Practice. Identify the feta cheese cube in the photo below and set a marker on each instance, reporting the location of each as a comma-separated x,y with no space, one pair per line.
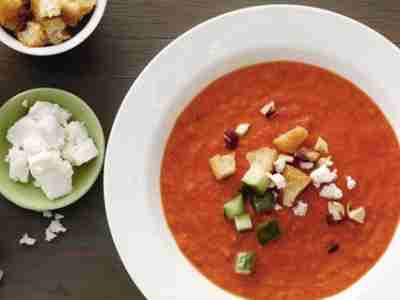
242,129
18,161
223,166
51,131
27,240
76,132
331,191
323,175
350,182
81,153
52,173
300,209
42,109
22,129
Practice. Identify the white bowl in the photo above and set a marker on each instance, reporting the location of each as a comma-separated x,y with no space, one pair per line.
9,40
147,115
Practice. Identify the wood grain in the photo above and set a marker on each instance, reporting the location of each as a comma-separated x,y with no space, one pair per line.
84,263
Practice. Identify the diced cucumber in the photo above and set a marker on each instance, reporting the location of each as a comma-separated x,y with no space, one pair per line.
243,222
264,203
256,179
268,231
234,207
244,263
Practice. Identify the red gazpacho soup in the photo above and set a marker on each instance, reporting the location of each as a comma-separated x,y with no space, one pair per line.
280,181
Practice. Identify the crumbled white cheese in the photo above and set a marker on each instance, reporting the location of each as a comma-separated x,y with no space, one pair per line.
300,209
43,109
41,141
306,165
278,207
242,129
27,240
327,161
47,214
350,182
336,210
268,108
80,154
281,162
331,191
52,173
56,227
18,161
278,180
58,216
323,175
49,236
358,215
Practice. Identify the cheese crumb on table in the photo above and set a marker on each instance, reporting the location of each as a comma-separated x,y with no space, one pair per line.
323,175
331,191
27,240
53,230
350,182
300,209
1,274
58,216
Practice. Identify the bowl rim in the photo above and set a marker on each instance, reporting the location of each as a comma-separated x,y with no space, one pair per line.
10,41
101,147
117,226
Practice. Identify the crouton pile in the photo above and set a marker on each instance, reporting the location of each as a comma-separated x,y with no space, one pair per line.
38,23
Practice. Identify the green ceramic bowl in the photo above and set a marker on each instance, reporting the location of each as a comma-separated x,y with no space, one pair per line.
26,195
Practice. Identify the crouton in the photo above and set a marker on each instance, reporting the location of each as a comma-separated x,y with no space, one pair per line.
45,8
296,182
291,140
33,35
74,10
223,166
56,31
264,158
14,14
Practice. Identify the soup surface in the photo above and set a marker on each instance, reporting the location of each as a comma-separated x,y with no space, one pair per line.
298,265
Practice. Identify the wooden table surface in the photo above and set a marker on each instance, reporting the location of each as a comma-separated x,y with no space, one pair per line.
83,264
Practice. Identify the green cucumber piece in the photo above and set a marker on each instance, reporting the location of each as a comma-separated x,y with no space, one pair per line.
244,263
268,231
264,203
243,222
234,207
256,179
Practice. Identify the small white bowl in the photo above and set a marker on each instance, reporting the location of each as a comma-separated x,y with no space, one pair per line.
77,39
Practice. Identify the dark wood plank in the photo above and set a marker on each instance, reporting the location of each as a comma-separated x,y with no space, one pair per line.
84,264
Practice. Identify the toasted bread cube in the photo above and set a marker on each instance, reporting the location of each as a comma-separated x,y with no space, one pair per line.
33,35
13,14
56,30
74,10
264,158
46,8
290,141
223,166
321,146
296,182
